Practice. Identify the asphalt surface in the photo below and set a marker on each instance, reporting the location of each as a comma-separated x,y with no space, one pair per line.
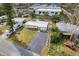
13,50
25,52
7,48
38,42
34,48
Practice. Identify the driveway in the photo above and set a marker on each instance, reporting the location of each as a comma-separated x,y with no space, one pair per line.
38,42
25,52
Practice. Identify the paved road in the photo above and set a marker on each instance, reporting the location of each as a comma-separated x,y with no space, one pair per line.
7,48
38,42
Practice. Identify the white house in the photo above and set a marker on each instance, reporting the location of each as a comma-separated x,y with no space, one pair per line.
67,28
52,9
18,20
40,25
18,23
3,17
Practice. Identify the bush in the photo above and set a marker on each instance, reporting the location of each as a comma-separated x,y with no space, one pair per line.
56,18
58,37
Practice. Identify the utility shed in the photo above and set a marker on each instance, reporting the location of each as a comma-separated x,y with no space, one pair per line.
40,25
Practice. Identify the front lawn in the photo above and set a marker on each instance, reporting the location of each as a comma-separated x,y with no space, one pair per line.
23,37
2,29
26,35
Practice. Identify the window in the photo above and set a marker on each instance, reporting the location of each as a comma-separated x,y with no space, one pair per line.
52,12
56,12
39,12
43,12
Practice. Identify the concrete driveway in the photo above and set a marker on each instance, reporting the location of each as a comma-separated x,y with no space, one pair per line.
38,42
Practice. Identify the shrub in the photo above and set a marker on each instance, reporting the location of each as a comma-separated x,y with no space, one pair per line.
58,37
56,18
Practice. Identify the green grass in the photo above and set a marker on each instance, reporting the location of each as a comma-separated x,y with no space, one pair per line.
61,50
40,17
53,25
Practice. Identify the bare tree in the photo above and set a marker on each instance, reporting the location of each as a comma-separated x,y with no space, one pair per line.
73,18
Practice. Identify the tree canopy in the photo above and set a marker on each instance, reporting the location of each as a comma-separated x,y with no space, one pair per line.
9,13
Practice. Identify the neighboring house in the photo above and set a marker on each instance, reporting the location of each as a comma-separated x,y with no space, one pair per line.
21,8
40,25
3,17
17,25
18,20
51,9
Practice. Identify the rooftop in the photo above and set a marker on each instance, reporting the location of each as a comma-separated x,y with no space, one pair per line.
18,19
37,23
49,9
45,6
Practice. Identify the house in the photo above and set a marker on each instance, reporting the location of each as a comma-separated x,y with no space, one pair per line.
51,9
18,23
68,28
18,20
3,17
40,25
16,26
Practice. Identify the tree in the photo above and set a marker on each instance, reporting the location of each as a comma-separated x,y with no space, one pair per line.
70,7
46,14
32,14
9,13
1,10
55,18
73,17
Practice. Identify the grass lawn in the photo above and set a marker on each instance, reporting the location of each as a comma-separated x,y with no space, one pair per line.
23,37
40,17
62,50
2,29
26,35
